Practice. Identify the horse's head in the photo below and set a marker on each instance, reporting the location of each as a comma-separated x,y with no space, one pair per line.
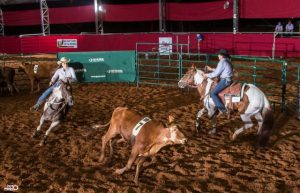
66,91
192,78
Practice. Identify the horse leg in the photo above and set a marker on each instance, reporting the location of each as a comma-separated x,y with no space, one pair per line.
211,112
53,124
10,89
246,118
214,125
259,119
198,119
37,131
15,87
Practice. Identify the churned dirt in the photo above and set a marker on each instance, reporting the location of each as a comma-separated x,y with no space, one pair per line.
207,163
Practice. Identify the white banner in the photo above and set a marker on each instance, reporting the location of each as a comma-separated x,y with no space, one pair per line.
165,45
67,43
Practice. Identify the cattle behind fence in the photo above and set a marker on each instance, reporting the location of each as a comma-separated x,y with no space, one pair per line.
14,61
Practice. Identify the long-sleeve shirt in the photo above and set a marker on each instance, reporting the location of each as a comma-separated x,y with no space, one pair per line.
63,75
279,28
289,27
224,69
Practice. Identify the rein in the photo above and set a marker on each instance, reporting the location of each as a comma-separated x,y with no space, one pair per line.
60,109
50,103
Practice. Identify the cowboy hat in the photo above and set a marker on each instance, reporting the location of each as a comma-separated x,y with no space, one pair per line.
224,53
63,60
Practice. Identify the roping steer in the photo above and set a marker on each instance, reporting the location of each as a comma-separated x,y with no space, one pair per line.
147,136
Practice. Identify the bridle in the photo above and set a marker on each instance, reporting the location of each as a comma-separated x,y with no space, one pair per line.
65,98
189,79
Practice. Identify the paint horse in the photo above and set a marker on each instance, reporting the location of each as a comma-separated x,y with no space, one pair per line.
251,102
55,108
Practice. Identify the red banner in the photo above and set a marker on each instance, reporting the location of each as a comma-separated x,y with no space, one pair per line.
269,9
239,44
150,12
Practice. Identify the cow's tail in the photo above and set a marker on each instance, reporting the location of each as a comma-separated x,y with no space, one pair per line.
267,124
94,127
99,126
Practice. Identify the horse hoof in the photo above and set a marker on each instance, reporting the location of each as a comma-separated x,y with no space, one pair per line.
119,171
233,137
198,129
44,141
213,131
35,134
136,182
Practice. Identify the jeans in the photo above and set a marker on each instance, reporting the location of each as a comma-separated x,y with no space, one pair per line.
47,93
222,84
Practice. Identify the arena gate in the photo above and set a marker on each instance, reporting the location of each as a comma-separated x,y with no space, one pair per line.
156,66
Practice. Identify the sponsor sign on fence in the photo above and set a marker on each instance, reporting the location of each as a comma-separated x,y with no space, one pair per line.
165,45
67,43
116,66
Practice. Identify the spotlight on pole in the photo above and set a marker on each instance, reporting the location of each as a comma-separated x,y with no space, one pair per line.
100,8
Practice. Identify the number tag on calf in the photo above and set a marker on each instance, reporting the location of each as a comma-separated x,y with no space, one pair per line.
35,68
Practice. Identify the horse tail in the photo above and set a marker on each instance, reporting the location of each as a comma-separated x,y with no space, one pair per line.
267,124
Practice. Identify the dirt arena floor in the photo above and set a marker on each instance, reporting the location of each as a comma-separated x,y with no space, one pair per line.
207,163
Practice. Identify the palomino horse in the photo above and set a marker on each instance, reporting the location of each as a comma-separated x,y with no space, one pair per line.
253,102
55,108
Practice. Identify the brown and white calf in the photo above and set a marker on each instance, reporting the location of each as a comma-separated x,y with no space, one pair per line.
147,136
37,72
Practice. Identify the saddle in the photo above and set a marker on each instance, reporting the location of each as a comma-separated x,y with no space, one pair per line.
231,95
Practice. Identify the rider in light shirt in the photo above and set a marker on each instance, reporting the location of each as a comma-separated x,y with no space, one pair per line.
224,70
65,74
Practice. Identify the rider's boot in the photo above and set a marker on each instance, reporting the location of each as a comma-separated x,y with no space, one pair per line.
224,113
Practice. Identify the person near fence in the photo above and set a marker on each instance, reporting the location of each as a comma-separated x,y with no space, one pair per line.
224,71
278,29
289,28
65,73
